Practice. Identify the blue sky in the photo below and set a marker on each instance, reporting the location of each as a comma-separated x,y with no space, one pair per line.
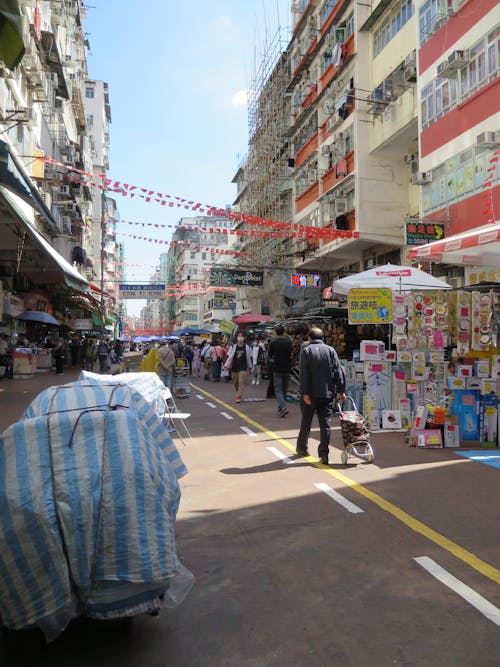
176,76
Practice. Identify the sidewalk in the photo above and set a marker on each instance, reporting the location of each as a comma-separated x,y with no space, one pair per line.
16,395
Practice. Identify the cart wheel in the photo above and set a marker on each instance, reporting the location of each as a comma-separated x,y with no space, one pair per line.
369,458
343,458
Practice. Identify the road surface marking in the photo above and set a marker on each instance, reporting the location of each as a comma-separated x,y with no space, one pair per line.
202,397
247,430
224,414
414,524
468,594
280,455
351,507
211,405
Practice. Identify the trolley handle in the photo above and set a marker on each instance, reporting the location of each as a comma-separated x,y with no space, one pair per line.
341,406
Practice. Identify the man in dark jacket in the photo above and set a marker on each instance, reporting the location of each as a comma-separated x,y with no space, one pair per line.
280,352
321,379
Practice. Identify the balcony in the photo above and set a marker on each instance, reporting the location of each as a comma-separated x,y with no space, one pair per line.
310,147
331,71
340,170
307,197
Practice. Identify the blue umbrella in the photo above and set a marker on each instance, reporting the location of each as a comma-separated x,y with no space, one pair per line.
37,316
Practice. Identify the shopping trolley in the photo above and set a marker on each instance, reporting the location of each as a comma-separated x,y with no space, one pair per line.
355,433
181,387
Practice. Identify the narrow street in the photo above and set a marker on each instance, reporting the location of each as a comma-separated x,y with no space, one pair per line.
300,564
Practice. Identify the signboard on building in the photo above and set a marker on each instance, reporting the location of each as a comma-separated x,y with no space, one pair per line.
226,326
419,233
370,305
83,323
306,280
236,278
142,291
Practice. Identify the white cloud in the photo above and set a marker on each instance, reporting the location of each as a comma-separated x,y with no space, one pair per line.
239,99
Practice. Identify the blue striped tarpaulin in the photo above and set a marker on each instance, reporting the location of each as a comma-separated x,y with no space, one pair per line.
88,498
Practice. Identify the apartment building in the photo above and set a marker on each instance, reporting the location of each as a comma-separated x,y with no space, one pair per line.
44,139
197,245
459,123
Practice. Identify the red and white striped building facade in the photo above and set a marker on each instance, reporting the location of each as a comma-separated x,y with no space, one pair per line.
458,54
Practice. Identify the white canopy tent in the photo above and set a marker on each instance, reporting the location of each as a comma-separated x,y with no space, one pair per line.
392,276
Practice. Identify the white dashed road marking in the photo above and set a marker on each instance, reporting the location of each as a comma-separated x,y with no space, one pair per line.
226,415
248,431
351,507
468,594
200,397
211,405
280,455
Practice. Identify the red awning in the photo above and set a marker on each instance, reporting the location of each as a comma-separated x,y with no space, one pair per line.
477,247
94,288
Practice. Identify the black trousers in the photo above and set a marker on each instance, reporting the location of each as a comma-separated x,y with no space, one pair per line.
324,409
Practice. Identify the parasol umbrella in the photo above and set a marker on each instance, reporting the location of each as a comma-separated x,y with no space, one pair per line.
37,316
11,33
391,276
251,318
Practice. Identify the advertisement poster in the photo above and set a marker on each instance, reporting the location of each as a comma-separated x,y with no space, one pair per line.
370,305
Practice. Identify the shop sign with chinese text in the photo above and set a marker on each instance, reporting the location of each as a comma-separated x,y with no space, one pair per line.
420,233
370,305
235,278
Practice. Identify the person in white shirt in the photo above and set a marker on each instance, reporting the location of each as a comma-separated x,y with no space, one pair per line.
258,353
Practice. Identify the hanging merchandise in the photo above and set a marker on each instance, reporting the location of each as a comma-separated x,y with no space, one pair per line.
463,322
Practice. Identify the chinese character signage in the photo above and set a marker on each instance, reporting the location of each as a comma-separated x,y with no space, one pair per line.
371,305
419,233
142,291
235,278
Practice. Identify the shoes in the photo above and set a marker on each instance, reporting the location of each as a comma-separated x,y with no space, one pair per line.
324,459
258,382
238,399
283,412
253,381
302,452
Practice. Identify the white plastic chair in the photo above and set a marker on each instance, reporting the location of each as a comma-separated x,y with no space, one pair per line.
172,414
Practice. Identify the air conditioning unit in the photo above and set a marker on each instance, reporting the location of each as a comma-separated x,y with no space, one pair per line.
410,157
411,59
46,198
458,59
64,190
340,206
421,178
488,140
410,74
444,70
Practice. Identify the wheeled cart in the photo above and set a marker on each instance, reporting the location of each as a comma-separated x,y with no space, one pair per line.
355,433
181,387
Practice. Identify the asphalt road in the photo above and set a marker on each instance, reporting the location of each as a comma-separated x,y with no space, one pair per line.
298,564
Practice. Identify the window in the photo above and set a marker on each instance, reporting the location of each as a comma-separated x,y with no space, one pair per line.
400,15
89,93
203,255
90,121
192,255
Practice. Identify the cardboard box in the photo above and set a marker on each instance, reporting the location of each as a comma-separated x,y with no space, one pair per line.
404,357
391,419
456,383
466,407
390,355
451,435
482,368
431,438
435,357
471,383
371,350
418,356
488,386
464,370
405,410
488,420
495,365
421,417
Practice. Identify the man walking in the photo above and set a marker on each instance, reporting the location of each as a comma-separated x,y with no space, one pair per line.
280,352
239,362
166,363
321,378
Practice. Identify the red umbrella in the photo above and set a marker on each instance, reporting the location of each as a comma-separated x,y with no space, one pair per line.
249,318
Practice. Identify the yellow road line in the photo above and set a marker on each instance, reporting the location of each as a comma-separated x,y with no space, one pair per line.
414,524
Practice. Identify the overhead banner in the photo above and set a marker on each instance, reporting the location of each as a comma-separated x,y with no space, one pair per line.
235,278
142,291
370,305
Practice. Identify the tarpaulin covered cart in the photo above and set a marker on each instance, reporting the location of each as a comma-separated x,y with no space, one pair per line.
88,498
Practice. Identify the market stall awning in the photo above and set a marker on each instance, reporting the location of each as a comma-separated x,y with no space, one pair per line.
45,267
477,247
11,33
